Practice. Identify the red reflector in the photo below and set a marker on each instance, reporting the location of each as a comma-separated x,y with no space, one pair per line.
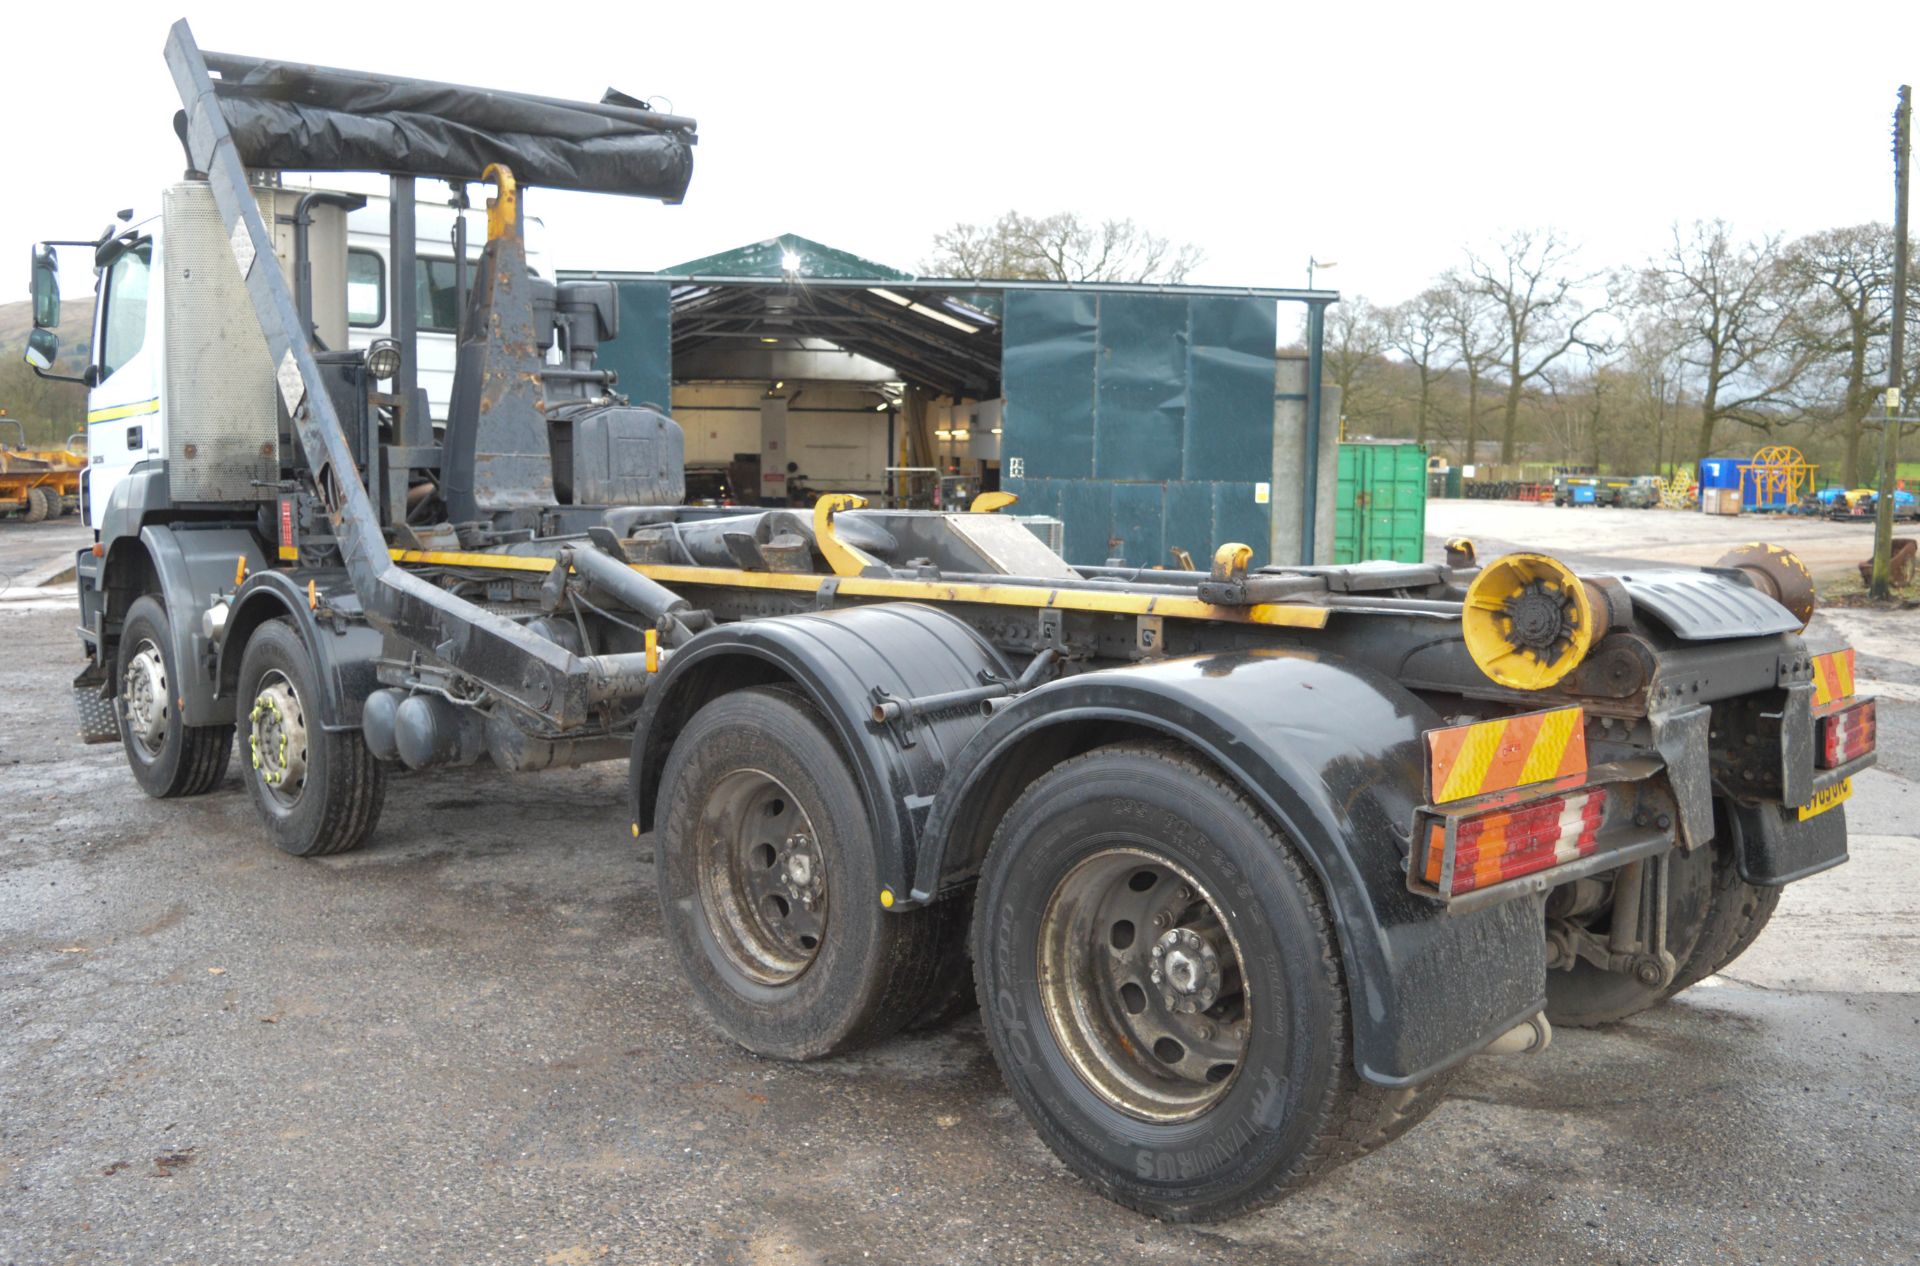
1848,734
1491,848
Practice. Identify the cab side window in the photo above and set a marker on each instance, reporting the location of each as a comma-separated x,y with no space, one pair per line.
125,327
366,289
438,297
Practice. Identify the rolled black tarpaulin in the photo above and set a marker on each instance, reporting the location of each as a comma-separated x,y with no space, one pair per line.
289,117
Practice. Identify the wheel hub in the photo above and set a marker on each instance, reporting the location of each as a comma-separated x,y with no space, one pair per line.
800,870
1187,969
762,877
278,743
1141,982
146,692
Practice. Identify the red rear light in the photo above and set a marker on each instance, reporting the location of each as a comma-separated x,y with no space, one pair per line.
1848,734
1491,848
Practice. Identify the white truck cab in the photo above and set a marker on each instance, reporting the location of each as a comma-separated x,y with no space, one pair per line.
128,363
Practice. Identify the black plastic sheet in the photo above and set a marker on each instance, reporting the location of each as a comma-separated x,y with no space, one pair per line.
293,118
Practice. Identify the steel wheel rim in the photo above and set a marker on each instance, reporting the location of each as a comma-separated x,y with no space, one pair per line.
147,699
277,743
1141,983
762,877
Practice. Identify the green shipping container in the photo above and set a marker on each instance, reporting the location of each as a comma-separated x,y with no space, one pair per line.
1380,508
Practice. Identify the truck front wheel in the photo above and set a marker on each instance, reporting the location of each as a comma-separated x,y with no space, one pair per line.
769,886
1162,987
168,757
319,790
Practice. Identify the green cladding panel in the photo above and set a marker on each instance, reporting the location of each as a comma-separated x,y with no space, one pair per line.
1144,422
643,353
1380,506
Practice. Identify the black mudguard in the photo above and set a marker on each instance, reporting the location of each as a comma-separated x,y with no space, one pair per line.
344,649
193,565
837,659
1333,751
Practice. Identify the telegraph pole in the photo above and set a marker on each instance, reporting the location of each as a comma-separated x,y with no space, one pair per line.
1881,585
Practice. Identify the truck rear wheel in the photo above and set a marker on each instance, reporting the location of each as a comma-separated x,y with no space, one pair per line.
769,888
167,756
319,790
43,503
1586,995
1737,911
1162,988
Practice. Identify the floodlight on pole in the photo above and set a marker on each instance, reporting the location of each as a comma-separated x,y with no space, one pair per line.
1313,263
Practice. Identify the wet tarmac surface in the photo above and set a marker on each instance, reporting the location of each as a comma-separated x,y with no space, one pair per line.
466,1044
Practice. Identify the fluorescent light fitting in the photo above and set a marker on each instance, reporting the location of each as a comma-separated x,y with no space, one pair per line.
962,433
943,318
765,339
996,430
902,300
943,435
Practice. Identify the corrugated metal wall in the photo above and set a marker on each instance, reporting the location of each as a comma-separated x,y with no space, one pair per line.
643,353
1144,422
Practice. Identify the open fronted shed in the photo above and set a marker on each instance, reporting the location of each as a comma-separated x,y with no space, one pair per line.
1149,419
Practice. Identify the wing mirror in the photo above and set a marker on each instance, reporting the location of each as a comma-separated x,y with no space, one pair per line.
43,348
46,287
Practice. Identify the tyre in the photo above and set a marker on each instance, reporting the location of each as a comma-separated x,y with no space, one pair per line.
167,756
319,790
950,994
1161,986
769,886
42,504
1585,996
1737,911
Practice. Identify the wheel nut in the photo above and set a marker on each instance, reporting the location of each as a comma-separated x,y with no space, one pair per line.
1162,919
1204,1032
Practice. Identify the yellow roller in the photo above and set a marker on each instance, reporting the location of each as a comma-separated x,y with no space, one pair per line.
1528,621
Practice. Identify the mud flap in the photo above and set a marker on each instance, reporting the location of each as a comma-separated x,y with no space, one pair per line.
1776,846
1681,736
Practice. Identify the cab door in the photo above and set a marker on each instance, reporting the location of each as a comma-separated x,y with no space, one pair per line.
125,425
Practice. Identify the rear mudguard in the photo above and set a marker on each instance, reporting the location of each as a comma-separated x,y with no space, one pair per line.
344,648
1333,751
837,659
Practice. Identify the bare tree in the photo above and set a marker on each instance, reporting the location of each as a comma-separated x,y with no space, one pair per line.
1467,320
1355,338
1417,330
1059,247
1731,306
1538,307
1847,277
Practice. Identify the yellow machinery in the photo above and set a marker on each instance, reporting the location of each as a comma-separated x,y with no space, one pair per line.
1777,477
40,484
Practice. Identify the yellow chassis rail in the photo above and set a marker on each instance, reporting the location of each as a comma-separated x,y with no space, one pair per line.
1035,597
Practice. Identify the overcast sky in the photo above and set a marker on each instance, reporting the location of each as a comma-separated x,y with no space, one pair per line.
1383,137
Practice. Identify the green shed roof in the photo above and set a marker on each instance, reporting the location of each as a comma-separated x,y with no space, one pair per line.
767,259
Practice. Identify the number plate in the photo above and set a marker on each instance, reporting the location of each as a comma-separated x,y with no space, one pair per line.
1824,800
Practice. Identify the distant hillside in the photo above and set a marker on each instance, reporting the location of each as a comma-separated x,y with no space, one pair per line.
50,411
